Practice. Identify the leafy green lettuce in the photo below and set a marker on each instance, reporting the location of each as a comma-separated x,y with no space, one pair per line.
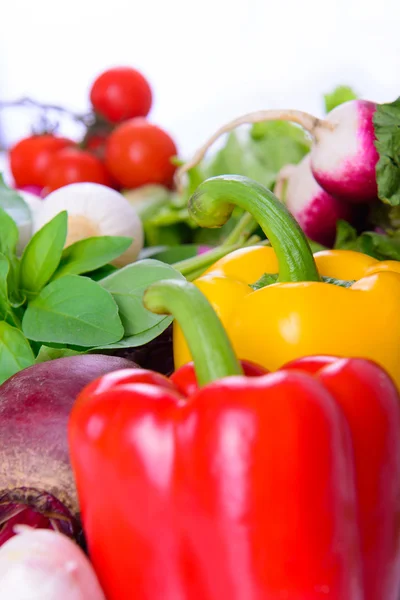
387,132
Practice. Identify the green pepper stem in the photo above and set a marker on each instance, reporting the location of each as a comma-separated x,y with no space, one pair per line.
212,205
205,335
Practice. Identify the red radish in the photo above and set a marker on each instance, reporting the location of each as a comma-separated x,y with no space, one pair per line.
38,564
316,211
343,161
343,153
37,487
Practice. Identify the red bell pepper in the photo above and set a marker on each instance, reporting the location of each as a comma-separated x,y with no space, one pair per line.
282,486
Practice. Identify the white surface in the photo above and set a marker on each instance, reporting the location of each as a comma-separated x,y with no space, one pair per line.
207,61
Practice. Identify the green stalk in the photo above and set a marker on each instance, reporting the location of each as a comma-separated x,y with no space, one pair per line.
212,205
204,333
192,268
244,227
196,263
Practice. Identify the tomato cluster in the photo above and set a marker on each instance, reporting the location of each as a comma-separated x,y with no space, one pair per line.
121,148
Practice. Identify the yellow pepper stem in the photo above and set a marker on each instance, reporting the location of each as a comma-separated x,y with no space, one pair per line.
212,205
205,335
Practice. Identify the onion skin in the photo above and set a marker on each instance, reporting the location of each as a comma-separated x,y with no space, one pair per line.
35,469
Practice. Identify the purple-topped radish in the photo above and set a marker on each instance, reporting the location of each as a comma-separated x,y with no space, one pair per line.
343,159
36,482
343,153
316,211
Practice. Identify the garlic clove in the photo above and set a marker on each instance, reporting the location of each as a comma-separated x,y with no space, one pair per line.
94,210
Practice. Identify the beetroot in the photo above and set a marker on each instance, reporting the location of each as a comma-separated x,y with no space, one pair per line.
36,482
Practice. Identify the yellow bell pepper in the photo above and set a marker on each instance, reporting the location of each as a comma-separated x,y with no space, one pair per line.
300,314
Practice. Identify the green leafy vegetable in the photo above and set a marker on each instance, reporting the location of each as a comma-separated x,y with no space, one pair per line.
8,234
101,273
261,154
387,132
377,245
341,94
15,351
48,353
73,310
13,204
127,287
139,339
279,143
381,247
42,254
4,303
176,253
90,254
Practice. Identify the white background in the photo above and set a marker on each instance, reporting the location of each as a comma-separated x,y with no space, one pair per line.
207,61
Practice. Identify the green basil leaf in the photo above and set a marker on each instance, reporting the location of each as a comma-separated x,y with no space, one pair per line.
43,253
73,310
47,353
127,285
13,203
144,337
15,295
387,132
4,303
15,351
91,254
9,234
101,273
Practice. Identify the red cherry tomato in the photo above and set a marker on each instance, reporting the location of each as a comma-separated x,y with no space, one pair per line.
120,94
138,153
30,158
72,166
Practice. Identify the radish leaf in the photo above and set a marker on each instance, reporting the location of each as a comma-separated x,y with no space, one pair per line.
340,95
387,132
